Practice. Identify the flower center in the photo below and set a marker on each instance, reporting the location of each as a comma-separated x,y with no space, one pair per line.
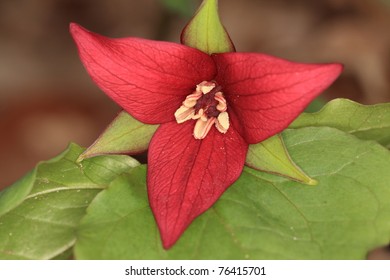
208,106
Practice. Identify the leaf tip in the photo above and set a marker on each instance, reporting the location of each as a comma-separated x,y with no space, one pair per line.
82,157
311,182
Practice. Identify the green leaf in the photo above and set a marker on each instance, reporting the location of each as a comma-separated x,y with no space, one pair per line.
272,156
122,212
125,135
40,213
261,216
368,122
205,31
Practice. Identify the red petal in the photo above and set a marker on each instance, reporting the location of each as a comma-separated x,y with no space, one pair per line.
149,79
268,93
186,176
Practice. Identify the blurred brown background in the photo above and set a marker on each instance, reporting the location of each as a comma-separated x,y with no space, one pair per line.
48,100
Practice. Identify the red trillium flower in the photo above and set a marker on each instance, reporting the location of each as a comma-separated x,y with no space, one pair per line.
209,107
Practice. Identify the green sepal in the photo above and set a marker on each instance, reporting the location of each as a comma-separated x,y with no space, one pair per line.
205,31
271,156
124,135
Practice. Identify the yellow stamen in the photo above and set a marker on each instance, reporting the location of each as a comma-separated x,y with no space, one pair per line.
222,123
184,114
203,127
